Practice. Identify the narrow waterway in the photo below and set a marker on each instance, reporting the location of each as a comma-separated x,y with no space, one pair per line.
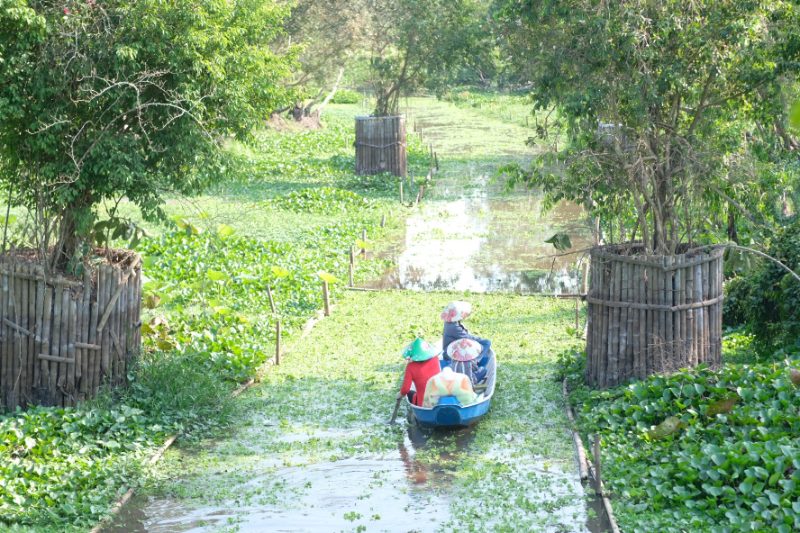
471,234
312,451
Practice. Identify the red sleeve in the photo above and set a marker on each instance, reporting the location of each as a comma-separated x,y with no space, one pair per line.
406,387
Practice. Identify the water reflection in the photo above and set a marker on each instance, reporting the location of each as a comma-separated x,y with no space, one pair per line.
483,243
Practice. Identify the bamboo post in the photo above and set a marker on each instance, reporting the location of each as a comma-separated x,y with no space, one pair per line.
278,342
401,191
352,265
383,220
325,299
5,352
364,240
271,300
597,467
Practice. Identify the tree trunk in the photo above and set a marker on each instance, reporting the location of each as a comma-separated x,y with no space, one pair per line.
74,230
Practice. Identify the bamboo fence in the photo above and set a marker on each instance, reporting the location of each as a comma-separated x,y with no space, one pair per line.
381,145
651,314
62,338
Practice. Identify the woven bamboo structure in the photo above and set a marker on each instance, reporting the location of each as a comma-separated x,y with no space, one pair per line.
651,314
62,338
381,145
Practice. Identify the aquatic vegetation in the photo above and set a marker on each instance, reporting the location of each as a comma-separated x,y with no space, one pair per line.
319,421
701,449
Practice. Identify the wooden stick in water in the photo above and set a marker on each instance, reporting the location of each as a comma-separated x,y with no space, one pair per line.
271,300
325,298
278,343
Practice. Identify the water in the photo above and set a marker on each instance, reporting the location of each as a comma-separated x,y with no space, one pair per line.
486,240
398,492
469,233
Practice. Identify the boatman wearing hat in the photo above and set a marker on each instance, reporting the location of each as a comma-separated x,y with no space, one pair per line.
454,330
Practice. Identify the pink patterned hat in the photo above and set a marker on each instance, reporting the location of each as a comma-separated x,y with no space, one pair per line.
464,350
456,311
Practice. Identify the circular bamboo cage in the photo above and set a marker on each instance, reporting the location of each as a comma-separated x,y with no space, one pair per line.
381,145
651,314
63,338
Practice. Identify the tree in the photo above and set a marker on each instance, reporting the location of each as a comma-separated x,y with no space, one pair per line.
659,98
328,35
100,100
417,42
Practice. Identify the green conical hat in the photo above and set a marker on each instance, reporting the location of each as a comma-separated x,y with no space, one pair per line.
419,350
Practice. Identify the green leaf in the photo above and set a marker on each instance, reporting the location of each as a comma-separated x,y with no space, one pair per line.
327,277
279,272
560,241
216,275
794,115
666,428
225,231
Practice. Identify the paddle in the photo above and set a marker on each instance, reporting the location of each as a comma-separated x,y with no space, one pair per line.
396,407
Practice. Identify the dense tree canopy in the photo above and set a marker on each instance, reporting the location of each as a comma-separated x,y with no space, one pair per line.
100,100
660,98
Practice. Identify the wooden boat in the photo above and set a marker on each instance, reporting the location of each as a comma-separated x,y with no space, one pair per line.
450,413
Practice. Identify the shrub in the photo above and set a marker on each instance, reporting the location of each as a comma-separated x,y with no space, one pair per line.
346,96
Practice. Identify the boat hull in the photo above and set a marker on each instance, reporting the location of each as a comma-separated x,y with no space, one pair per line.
450,413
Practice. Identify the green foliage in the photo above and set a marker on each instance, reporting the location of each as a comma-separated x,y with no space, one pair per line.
346,96
68,463
418,42
128,99
729,460
322,200
659,99
767,298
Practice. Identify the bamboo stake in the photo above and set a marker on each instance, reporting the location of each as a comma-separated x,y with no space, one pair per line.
55,344
325,298
74,370
41,288
690,315
383,220
597,468
669,300
278,342
352,266
625,367
401,191
678,298
105,341
94,340
271,299
47,314
364,239
81,342
5,346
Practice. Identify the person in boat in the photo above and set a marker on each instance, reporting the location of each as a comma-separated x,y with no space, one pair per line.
464,355
454,330
422,366
449,383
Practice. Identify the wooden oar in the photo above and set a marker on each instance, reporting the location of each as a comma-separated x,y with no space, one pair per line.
396,407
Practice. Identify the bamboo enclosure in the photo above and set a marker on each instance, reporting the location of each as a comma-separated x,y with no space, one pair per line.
381,145
651,314
61,338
